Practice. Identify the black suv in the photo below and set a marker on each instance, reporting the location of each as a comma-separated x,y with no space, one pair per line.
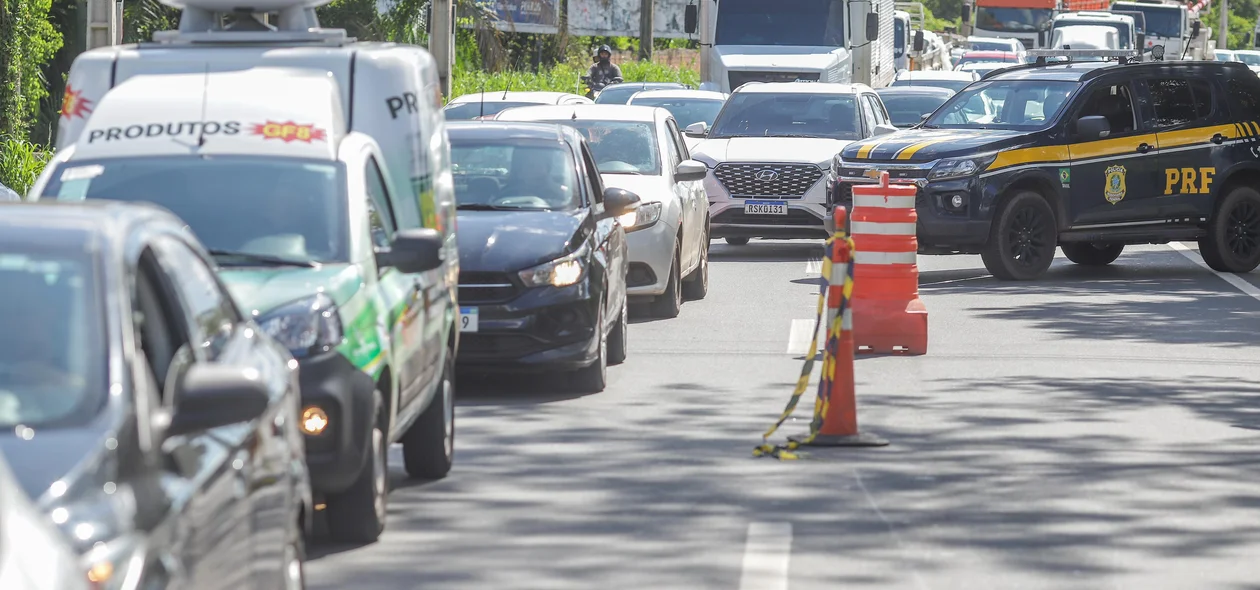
1085,156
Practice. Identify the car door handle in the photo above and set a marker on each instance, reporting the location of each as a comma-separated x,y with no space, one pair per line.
1145,147
1218,139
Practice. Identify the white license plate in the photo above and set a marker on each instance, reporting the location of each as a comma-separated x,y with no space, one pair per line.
765,207
468,317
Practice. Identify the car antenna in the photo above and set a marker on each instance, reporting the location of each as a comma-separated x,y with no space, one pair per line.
483,99
505,90
205,100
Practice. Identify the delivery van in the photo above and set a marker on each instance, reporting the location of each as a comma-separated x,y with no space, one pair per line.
316,170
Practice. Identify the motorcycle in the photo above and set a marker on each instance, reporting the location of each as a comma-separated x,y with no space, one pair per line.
593,88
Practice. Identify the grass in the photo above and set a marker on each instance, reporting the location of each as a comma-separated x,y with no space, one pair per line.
20,163
565,77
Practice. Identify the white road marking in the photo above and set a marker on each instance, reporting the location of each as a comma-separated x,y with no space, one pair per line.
766,555
1233,279
892,532
813,267
799,336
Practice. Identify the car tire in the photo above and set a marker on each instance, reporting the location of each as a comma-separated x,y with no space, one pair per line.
1092,253
618,339
1023,238
357,515
737,241
696,286
593,378
667,305
1232,243
429,445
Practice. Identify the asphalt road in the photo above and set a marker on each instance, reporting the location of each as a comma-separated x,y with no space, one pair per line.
1095,429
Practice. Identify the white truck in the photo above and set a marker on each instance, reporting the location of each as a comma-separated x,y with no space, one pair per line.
1167,23
841,41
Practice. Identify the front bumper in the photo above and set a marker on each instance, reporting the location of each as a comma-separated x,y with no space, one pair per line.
651,256
806,214
336,456
541,329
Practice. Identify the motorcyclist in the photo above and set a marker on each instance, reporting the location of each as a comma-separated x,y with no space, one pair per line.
603,72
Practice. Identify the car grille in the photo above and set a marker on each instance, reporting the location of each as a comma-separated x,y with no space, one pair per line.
735,216
783,181
485,287
738,78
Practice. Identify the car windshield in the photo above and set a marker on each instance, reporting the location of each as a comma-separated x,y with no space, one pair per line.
1160,21
817,23
685,110
908,109
621,147
471,110
975,59
1004,104
789,114
1222,55
509,173
1012,19
1251,59
955,85
53,355
990,46
621,93
288,209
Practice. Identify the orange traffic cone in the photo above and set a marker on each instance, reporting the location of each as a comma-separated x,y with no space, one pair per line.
890,317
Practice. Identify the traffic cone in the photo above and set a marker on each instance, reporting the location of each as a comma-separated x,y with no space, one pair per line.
837,404
890,317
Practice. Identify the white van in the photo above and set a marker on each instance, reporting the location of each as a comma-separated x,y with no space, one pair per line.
316,170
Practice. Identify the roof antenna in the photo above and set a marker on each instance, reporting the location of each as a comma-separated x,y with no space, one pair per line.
483,99
505,90
205,100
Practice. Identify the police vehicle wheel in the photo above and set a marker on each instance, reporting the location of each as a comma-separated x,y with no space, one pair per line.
1023,238
429,445
357,515
737,241
1232,243
1092,254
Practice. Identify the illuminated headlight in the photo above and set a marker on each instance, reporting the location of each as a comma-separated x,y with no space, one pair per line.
646,215
959,167
314,420
306,326
561,272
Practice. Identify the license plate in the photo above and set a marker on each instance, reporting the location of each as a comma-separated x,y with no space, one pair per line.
765,207
468,317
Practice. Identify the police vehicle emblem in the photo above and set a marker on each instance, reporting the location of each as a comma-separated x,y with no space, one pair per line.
767,175
1115,184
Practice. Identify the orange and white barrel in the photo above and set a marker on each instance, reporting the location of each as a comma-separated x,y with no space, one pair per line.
889,317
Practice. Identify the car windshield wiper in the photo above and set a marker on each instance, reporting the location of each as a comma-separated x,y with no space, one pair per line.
265,259
484,207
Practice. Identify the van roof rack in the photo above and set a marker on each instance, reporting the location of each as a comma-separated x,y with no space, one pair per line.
230,22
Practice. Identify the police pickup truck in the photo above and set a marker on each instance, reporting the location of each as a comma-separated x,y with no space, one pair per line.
1086,156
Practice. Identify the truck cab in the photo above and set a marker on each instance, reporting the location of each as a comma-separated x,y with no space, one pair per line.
1091,27
839,41
1167,23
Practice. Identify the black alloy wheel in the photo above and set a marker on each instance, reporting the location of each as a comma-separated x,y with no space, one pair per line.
1232,243
1023,238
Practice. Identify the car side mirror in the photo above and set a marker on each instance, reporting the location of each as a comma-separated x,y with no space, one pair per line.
690,170
619,201
414,250
966,13
918,41
697,129
212,396
1157,52
691,19
882,129
872,27
1093,127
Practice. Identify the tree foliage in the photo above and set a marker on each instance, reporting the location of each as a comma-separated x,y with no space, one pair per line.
27,41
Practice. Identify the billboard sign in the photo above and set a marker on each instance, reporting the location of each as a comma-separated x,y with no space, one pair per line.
620,18
525,16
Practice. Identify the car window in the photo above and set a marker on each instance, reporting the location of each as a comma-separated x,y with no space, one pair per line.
380,212
877,106
908,109
592,172
514,173
621,147
675,135
675,156
1173,101
1113,102
686,111
1015,105
1203,98
210,310
471,110
1244,98
789,114
868,119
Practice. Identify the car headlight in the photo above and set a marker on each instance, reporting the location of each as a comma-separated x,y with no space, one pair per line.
561,272
306,326
960,167
644,216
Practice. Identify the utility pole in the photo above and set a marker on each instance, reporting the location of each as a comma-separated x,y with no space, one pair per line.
645,30
1222,35
103,23
442,41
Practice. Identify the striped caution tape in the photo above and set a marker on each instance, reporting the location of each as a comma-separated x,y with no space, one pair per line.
787,450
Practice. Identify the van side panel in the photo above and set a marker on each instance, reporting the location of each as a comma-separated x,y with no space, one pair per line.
90,78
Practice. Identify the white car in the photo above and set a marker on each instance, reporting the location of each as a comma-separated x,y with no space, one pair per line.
641,149
1250,57
951,79
1009,44
487,104
1224,55
769,149
980,68
33,553
689,107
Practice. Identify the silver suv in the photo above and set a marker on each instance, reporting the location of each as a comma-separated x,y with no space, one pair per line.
769,149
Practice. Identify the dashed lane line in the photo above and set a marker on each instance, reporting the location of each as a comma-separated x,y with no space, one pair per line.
892,532
813,267
799,336
1235,280
766,555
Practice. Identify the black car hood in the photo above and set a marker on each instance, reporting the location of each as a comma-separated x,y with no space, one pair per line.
508,241
51,454
926,145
